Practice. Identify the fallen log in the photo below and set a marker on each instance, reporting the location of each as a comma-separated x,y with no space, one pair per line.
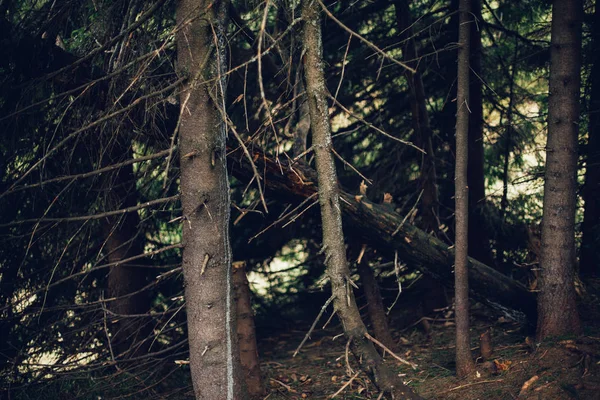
385,230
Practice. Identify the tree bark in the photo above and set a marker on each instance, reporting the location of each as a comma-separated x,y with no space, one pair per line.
464,359
214,353
377,225
329,200
479,238
556,302
246,332
590,251
375,307
125,281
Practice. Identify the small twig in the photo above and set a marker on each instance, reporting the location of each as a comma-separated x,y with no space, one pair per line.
397,272
362,39
470,384
112,354
344,386
349,369
370,125
408,214
285,216
93,216
204,264
312,328
351,167
378,343
343,67
289,388
174,137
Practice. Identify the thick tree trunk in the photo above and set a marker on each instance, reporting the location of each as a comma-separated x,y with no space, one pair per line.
556,302
329,200
214,353
125,281
590,251
246,332
464,359
375,307
479,238
377,225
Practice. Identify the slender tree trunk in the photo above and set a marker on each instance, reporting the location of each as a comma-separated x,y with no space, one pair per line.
303,125
590,251
420,118
500,242
375,307
246,332
464,360
429,206
214,353
125,281
333,237
479,238
557,308
123,239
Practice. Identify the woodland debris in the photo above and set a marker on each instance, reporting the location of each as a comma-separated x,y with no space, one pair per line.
527,385
376,224
485,345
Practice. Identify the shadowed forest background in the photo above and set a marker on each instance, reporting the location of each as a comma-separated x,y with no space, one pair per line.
175,175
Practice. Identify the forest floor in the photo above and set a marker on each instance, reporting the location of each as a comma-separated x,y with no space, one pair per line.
566,368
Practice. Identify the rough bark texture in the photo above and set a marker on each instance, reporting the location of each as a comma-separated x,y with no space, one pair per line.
464,359
214,353
125,281
246,332
375,307
479,238
376,225
556,302
329,200
590,251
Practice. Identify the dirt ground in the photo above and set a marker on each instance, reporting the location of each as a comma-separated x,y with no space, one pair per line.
519,368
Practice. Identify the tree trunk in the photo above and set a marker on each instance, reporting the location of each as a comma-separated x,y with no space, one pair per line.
479,238
429,205
464,359
556,302
303,124
375,307
246,332
508,139
590,251
385,230
125,281
329,200
420,118
214,353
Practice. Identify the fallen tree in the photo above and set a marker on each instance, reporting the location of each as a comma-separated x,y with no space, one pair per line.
387,230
